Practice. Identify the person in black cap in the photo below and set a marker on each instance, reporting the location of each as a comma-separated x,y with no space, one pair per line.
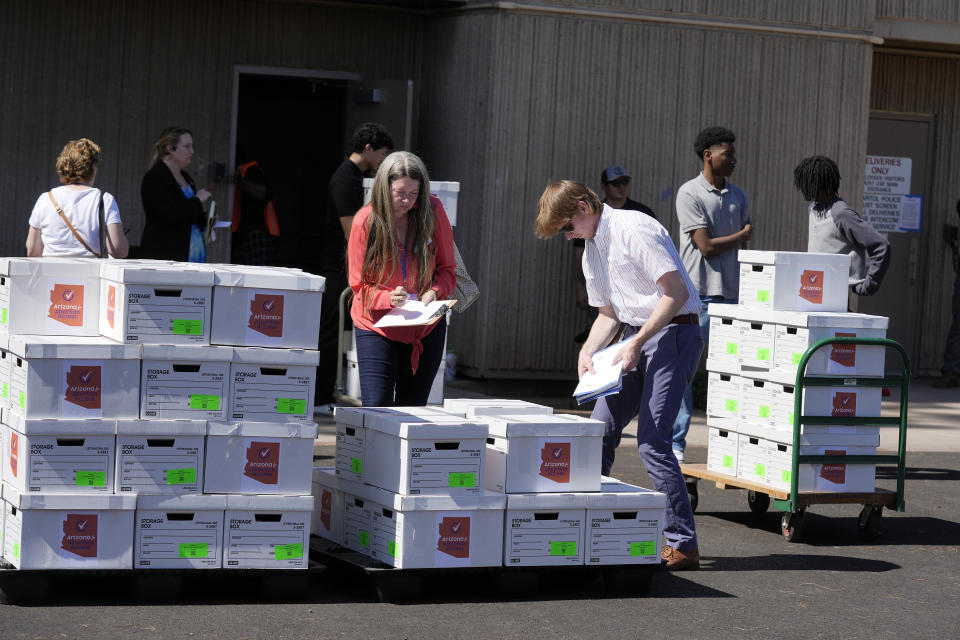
615,182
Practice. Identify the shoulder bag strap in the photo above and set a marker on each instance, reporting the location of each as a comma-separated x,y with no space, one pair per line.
63,217
103,229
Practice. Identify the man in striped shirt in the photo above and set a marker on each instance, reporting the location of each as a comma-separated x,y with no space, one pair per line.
634,276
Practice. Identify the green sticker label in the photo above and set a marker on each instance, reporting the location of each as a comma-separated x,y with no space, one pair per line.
763,354
16,550
5,390
732,348
91,478
728,461
563,548
463,479
763,295
182,327
193,549
288,551
731,405
22,401
181,476
291,405
644,548
356,465
790,418
763,411
363,538
204,403
392,548
786,475
3,316
795,358
760,470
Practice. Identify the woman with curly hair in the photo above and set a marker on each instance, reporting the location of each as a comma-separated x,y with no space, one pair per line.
66,220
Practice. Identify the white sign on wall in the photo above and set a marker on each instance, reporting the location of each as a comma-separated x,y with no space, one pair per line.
887,203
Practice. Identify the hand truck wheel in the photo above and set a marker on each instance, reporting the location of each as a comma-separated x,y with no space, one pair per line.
869,522
791,525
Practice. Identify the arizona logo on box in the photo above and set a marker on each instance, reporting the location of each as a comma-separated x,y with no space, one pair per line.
80,535
844,404
266,314
834,472
14,452
83,386
811,286
111,304
66,304
844,354
263,462
453,537
555,461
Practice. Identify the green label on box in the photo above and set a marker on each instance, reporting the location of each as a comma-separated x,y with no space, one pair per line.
463,479
3,316
288,551
291,405
91,478
645,548
728,461
731,405
763,411
790,418
760,470
563,547
181,476
182,327
356,465
763,295
16,550
763,354
22,401
732,348
392,548
795,358
6,390
786,475
193,549
363,538
204,403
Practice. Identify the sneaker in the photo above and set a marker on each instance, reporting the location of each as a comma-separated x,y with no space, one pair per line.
324,409
679,455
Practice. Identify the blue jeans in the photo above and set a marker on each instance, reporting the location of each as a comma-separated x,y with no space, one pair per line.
386,377
682,424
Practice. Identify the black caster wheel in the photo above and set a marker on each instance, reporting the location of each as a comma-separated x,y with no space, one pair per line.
759,502
791,526
869,522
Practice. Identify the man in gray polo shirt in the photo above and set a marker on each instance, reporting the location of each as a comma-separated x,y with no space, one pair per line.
714,225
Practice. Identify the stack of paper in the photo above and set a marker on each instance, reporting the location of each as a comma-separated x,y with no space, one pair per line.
414,312
606,376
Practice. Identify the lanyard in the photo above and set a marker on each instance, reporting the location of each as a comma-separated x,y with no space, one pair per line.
404,250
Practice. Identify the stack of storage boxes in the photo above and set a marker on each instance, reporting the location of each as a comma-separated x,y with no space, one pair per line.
789,301
161,449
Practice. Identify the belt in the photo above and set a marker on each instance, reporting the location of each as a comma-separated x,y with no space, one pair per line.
686,318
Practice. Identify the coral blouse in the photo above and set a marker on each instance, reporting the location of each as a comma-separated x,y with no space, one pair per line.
442,263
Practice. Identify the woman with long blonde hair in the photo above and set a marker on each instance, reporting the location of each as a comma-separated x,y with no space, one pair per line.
400,248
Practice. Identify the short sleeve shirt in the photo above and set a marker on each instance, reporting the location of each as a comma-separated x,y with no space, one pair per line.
82,208
721,212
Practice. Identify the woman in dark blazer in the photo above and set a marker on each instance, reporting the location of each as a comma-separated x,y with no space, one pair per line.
171,201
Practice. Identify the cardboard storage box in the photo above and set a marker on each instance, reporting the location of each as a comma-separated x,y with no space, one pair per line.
542,529
756,345
272,385
357,522
264,307
794,281
49,296
179,532
155,303
68,532
487,407
267,532
624,524
161,457
5,360
259,458
723,395
327,520
722,447
756,406
60,456
185,382
73,377
724,344
543,453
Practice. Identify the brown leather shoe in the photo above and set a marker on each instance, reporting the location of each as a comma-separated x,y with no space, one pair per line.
677,560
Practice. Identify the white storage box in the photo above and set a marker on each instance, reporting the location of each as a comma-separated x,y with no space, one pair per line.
264,307
259,458
756,405
267,532
5,360
753,460
155,303
74,377
723,395
756,345
724,344
179,532
161,457
412,456
327,520
68,532
49,296
543,529
534,453
864,402
272,385
357,522
185,382
624,524
722,446
794,281
487,407
60,456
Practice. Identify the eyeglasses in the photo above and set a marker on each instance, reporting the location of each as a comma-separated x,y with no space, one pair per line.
405,195
567,228
619,182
